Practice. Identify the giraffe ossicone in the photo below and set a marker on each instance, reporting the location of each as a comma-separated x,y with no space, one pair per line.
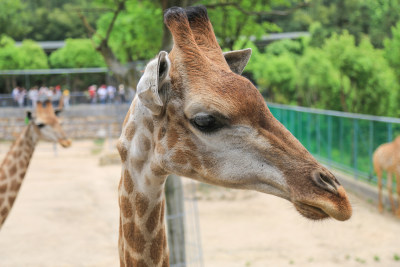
195,116
46,126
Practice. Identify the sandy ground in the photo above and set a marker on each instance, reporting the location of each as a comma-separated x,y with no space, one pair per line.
67,215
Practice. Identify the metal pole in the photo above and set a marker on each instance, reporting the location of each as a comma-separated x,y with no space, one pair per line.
329,139
355,139
370,145
389,132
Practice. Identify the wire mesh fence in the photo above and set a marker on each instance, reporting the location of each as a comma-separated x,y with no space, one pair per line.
341,140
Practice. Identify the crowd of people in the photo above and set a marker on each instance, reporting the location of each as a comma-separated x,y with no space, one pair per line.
22,97
102,94
106,94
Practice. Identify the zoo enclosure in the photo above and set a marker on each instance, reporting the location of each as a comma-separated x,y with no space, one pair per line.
344,141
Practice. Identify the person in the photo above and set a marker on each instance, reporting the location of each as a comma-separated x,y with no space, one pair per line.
21,97
33,96
102,93
111,93
43,93
15,93
66,98
121,93
92,93
56,96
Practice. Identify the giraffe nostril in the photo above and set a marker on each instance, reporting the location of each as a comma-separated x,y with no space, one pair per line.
328,183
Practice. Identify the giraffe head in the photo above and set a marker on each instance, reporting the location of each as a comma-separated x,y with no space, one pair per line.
211,124
48,124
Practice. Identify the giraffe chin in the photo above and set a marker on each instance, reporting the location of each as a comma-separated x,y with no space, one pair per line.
310,212
65,142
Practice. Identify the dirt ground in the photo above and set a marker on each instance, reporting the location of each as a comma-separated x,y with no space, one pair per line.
67,215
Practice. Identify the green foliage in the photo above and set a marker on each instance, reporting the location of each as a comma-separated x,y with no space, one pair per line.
340,75
137,31
28,56
32,56
392,50
77,53
13,18
294,47
276,76
8,53
230,23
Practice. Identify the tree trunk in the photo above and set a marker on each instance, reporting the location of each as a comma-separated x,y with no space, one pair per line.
125,74
175,220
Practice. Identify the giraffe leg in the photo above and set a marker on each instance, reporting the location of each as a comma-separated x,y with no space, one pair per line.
390,191
379,174
398,194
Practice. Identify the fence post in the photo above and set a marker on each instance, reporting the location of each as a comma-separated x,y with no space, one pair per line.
329,139
371,145
390,132
355,140
175,220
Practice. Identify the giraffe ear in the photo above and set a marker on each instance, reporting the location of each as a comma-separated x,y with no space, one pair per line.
238,59
151,86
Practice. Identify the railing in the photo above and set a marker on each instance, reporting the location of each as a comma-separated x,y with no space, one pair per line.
344,141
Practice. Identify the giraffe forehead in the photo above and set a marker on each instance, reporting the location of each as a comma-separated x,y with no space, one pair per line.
233,96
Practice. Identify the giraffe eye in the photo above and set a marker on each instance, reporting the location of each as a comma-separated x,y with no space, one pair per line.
40,125
206,123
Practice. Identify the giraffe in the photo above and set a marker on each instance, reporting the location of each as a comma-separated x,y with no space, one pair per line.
195,116
45,126
387,158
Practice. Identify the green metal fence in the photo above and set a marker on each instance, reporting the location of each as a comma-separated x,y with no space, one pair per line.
341,140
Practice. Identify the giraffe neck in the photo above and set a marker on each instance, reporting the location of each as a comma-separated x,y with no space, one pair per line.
13,168
142,239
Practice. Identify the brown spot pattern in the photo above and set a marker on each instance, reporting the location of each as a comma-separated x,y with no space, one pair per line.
13,170
1,201
179,157
156,247
141,204
148,123
126,207
152,221
3,188
123,152
144,143
172,138
157,170
130,131
2,175
11,200
141,263
4,211
128,183
15,185
129,261
134,237
137,163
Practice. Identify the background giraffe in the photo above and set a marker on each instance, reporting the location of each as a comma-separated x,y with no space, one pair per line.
387,158
194,116
44,126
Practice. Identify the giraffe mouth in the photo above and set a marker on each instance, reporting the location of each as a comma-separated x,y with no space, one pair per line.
310,212
65,142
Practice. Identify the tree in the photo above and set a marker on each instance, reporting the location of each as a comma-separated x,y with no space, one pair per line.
77,53
13,18
392,50
32,56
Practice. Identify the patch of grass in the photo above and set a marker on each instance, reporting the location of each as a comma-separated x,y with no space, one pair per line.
248,264
310,259
98,146
360,260
396,257
370,201
376,258
291,262
347,257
